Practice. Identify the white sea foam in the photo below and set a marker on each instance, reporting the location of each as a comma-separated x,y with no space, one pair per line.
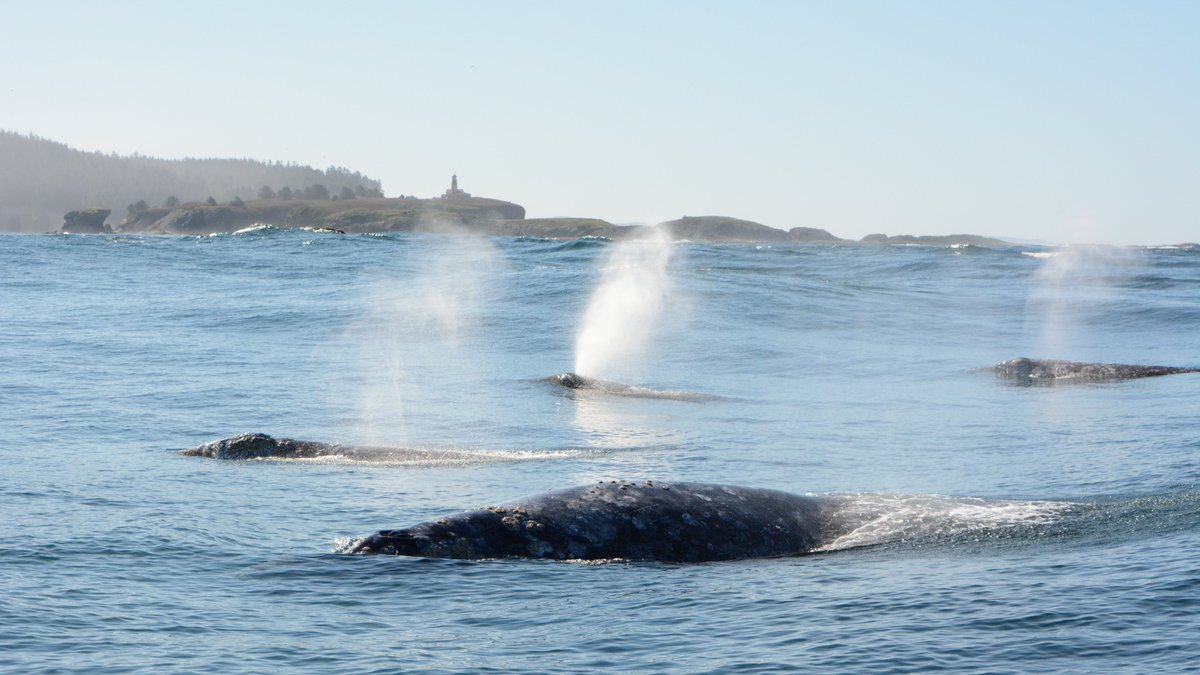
257,227
871,519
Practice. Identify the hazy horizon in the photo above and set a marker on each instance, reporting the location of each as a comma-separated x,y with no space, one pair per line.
1065,123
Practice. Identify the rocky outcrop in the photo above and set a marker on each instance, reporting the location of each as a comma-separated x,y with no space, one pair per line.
812,235
86,221
142,220
719,229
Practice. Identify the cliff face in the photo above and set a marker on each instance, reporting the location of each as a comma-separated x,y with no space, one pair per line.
200,220
86,221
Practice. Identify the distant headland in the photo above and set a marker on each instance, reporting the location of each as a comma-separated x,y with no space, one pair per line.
454,211
107,193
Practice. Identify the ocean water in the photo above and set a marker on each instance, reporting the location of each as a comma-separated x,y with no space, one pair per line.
991,527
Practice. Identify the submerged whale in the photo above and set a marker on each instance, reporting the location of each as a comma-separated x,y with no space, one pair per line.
668,522
1048,371
577,382
262,446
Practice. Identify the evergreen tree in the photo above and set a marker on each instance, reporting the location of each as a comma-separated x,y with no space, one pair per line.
171,202
265,192
210,201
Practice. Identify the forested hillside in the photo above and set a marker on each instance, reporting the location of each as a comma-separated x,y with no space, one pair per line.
40,180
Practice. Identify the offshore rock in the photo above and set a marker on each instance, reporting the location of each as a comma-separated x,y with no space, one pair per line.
86,221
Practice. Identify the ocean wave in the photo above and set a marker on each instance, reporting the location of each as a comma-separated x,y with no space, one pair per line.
257,228
547,245
268,229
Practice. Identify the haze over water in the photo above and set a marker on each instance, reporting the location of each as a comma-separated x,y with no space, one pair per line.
997,528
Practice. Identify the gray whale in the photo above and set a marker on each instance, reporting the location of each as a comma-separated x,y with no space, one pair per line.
583,383
258,446
650,521
1048,371
262,446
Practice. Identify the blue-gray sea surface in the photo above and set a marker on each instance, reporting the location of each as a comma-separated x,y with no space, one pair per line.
999,528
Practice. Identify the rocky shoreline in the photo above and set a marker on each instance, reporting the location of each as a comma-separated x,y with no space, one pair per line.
476,215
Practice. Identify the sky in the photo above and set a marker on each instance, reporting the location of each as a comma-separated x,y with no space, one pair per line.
1067,122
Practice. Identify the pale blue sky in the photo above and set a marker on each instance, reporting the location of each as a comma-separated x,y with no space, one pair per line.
1061,121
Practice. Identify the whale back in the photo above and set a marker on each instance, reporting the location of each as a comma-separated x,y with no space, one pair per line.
1050,371
670,522
257,446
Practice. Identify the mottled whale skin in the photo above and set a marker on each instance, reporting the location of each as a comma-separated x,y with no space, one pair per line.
575,381
1048,371
256,446
650,521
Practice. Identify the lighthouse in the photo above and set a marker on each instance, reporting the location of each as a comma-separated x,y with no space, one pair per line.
453,192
